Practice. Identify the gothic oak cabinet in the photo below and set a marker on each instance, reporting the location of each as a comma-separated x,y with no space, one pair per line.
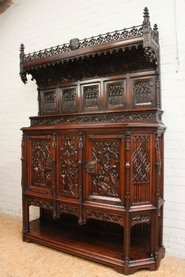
92,160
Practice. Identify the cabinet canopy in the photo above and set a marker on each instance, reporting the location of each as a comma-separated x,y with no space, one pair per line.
119,52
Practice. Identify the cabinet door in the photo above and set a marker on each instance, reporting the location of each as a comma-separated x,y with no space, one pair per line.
68,158
40,163
105,169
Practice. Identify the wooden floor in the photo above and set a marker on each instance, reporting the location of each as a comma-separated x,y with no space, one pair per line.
19,259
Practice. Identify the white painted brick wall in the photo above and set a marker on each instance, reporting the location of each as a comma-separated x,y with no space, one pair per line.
44,23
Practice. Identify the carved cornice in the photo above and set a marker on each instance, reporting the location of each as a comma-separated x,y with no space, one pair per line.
128,39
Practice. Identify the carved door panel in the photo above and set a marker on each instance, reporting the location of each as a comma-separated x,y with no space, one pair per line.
41,163
68,162
104,169
141,169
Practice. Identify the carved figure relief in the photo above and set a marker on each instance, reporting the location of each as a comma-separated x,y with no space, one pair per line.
106,181
91,97
69,166
41,163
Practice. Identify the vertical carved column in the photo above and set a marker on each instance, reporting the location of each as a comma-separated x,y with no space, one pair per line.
39,100
80,170
146,29
127,204
158,164
55,214
25,205
22,71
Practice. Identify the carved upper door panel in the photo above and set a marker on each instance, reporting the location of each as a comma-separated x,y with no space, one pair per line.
104,169
41,163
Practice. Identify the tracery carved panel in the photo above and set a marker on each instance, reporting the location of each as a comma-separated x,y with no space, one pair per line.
49,101
114,94
91,97
143,92
141,169
68,155
69,99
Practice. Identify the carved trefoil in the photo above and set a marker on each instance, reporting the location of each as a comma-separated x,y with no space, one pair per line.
69,166
143,92
69,99
91,97
115,94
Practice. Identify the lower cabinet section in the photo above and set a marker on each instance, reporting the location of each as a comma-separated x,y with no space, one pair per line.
101,240
100,194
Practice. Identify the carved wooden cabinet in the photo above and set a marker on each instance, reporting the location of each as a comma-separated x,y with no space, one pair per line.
92,160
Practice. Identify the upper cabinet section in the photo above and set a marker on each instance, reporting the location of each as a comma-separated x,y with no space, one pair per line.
113,71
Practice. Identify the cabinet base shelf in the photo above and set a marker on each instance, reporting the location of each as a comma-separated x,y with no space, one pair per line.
95,244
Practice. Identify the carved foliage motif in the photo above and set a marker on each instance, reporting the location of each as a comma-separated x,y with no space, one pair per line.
143,92
68,210
69,99
115,94
69,166
106,181
140,218
91,97
40,203
41,163
141,116
49,101
104,216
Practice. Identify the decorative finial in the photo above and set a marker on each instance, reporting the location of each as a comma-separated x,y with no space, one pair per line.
155,27
22,72
146,16
22,50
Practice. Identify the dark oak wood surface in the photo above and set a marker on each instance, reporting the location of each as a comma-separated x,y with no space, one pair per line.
92,159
